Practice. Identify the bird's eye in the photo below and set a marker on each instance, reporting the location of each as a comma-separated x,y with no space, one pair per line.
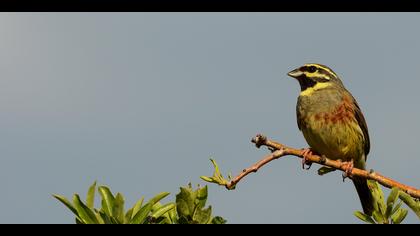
311,69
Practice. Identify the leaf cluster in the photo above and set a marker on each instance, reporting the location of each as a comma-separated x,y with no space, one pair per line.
388,211
189,208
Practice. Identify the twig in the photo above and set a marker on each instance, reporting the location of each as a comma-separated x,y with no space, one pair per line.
254,168
279,150
261,140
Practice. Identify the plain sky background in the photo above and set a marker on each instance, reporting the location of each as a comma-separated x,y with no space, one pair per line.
141,101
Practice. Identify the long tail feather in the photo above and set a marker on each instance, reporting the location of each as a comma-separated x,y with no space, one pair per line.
365,195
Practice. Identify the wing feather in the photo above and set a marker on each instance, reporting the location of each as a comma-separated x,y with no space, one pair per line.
362,124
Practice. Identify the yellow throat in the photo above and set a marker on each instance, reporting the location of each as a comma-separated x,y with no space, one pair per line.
317,86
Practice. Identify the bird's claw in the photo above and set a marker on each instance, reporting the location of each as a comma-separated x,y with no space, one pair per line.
349,169
306,152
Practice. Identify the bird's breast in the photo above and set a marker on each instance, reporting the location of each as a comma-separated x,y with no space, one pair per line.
330,128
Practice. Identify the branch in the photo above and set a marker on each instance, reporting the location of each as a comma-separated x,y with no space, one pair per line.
254,168
279,150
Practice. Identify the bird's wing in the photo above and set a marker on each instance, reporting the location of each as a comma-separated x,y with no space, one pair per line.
362,124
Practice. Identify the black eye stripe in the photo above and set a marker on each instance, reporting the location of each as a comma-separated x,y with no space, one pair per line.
312,69
321,73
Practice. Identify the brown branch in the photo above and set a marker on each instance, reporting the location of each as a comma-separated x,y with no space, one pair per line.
254,168
280,150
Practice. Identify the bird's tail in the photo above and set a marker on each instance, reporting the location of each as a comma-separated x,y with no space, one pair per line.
365,194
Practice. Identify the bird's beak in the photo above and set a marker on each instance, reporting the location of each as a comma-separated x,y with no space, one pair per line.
295,73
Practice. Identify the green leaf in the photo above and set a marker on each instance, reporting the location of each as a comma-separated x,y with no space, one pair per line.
163,209
161,220
90,198
183,220
207,179
399,216
202,216
99,217
128,216
137,207
185,202
105,217
142,214
173,216
79,221
216,167
156,206
202,194
388,212
107,200
118,210
114,221
364,217
325,170
158,197
414,205
393,196
67,203
396,207
378,217
218,220
85,213
217,176
378,196
182,208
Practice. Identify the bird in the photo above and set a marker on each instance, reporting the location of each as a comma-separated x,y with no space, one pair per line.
333,124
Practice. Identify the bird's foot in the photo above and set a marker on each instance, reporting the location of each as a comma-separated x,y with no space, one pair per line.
306,152
349,168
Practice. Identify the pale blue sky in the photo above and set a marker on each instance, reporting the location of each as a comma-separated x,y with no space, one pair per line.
140,101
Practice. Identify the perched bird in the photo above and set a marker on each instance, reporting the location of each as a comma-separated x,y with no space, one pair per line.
332,123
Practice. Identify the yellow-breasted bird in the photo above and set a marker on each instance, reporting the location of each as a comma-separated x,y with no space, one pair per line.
332,123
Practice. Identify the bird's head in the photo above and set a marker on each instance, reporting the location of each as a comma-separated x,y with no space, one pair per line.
311,75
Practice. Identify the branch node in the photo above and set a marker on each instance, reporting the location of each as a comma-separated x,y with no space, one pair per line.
259,140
